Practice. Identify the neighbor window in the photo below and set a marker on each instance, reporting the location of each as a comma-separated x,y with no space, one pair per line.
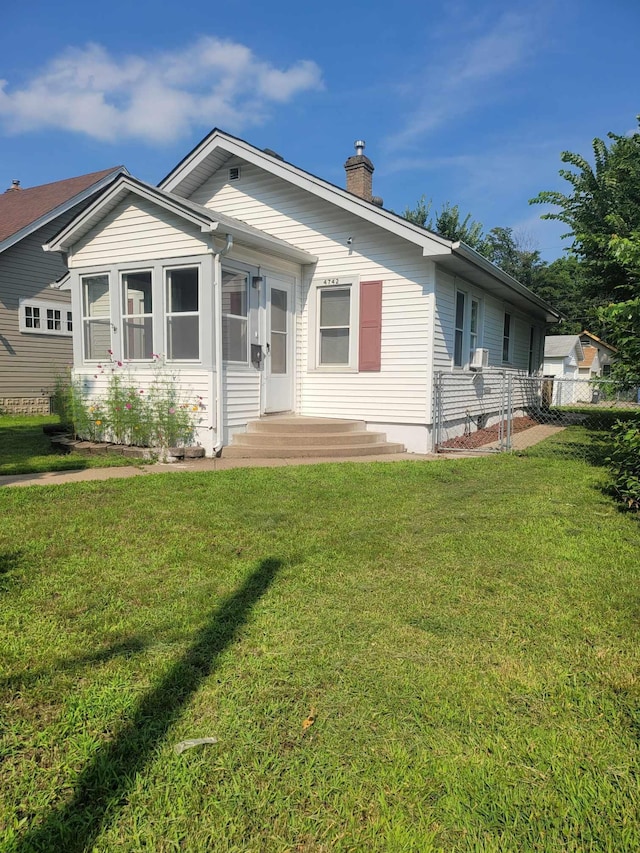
235,304
334,326
183,314
96,317
44,318
506,338
137,321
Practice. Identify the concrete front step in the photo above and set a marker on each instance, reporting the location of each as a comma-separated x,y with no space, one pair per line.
234,451
290,437
292,425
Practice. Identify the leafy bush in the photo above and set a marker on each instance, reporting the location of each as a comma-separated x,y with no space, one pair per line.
625,462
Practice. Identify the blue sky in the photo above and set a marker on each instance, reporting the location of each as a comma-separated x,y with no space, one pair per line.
465,102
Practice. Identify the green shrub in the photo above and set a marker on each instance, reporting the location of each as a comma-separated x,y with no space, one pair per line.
625,462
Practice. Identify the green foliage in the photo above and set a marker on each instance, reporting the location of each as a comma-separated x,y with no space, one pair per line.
603,203
625,463
155,416
447,222
622,321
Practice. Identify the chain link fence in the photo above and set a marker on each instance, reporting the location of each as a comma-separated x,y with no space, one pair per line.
496,411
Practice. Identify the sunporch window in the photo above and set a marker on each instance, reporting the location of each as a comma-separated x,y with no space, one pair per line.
96,317
137,322
234,316
183,314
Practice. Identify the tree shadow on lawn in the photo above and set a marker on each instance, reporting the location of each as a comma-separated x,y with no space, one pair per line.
102,788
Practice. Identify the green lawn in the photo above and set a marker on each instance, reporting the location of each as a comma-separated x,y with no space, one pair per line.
463,633
25,449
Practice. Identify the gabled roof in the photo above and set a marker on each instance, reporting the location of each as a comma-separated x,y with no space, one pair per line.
217,147
209,221
590,354
23,211
597,340
561,346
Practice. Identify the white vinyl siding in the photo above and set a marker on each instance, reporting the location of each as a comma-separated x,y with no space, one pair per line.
400,392
137,230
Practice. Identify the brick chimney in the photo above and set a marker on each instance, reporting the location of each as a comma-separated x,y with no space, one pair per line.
359,171
15,186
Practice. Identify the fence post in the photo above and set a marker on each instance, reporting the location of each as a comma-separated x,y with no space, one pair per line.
509,409
437,410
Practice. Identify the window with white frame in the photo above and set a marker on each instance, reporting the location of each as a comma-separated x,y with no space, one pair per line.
96,317
335,325
183,314
506,338
474,327
459,330
235,304
38,316
137,320
467,335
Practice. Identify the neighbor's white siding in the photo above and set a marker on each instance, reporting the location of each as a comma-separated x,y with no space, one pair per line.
400,392
137,230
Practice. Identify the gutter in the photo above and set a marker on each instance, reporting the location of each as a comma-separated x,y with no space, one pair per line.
217,313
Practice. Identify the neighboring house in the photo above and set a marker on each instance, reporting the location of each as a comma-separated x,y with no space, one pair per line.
563,357
598,356
268,289
35,318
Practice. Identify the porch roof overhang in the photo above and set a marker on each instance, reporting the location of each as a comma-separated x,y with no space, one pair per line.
208,221
467,263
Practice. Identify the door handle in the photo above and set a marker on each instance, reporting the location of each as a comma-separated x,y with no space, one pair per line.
268,348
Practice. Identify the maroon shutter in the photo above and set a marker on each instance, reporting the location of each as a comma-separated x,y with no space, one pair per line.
370,325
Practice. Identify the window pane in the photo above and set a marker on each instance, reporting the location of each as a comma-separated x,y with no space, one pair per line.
334,346
278,353
183,338
183,290
234,293
137,293
96,296
474,317
335,307
138,338
234,339
97,339
278,310
457,350
459,310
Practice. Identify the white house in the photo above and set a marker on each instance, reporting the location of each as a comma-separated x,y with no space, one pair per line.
270,290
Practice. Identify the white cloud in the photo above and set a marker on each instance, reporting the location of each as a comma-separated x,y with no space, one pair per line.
462,75
155,99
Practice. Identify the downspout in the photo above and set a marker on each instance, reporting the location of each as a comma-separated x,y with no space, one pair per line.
217,312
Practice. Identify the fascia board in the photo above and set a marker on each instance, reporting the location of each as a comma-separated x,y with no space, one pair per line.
431,244
61,209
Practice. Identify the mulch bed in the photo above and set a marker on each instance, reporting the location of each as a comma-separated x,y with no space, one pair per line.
488,434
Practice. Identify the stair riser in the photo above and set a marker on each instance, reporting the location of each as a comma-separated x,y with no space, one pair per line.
305,426
239,452
254,439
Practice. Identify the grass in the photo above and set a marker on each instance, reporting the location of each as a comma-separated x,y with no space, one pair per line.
462,633
25,449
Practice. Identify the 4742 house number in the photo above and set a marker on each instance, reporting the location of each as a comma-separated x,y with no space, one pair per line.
331,281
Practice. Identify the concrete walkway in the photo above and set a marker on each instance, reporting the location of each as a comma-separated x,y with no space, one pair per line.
520,441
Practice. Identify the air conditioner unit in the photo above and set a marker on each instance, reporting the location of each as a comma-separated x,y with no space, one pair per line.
479,359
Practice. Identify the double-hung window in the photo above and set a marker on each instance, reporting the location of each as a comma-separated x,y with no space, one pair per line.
334,329
137,321
459,333
467,328
183,314
235,303
96,317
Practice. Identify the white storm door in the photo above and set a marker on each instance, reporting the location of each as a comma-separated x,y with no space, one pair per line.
279,347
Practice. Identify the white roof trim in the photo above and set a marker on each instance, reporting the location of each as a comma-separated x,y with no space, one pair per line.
61,209
432,245
208,221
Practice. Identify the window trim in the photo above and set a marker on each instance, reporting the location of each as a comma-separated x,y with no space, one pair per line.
351,283
507,338
43,306
465,332
236,270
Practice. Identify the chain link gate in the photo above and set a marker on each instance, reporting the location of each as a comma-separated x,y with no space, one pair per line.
492,411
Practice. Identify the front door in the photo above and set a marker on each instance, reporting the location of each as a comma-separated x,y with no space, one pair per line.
279,347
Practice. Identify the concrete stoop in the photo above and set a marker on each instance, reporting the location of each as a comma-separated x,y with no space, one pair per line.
297,437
